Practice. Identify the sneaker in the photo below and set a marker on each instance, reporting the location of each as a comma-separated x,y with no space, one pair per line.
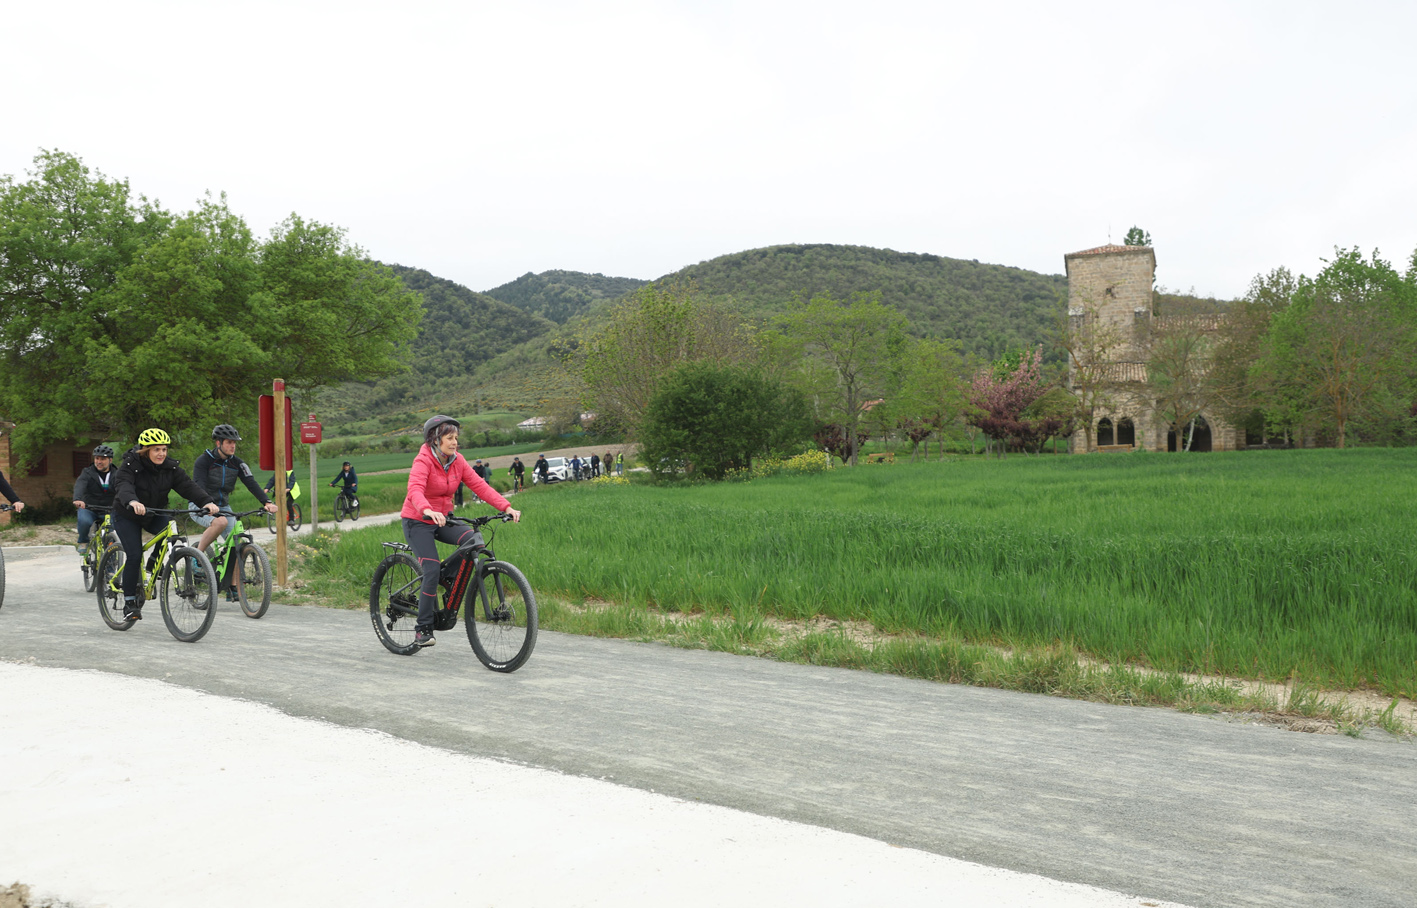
231,596
423,638
81,547
132,611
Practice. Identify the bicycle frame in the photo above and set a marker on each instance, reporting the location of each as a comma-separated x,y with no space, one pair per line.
225,547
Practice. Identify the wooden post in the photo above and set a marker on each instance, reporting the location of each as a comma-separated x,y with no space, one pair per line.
314,490
278,391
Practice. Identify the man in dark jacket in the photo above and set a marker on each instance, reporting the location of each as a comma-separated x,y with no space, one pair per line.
144,480
216,470
93,491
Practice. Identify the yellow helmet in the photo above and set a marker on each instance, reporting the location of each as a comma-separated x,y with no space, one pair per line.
154,437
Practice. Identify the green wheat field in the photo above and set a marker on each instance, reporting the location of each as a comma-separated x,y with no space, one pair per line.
1274,565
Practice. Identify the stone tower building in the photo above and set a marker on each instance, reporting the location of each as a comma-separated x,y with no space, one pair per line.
1110,297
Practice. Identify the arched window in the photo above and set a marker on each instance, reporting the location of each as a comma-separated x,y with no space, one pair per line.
1126,432
1104,431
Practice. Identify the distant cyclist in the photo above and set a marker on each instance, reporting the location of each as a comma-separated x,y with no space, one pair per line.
289,485
93,489
518,471
438,471
143,481
217,469
350,480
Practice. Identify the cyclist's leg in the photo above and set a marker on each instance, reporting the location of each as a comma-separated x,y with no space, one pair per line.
211,525
130,533
86,521
421,537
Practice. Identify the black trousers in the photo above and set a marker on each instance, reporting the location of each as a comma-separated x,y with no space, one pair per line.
129,528
424,537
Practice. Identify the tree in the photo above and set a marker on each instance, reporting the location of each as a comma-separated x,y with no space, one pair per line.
930,394
719,417
1346,341
1238,393
1137,237
1001,396
1092,346
1179,355
843,355
648,335
116,314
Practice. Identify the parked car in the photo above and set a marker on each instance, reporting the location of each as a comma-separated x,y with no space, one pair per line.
558,469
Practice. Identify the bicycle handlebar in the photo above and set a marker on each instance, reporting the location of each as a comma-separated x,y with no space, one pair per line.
476,522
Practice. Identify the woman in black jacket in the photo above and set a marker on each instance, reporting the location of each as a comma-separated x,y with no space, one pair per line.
144,480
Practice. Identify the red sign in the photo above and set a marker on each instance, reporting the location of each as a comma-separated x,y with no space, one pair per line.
266,430
310,433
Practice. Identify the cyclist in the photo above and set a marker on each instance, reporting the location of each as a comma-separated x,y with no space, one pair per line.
350,480
93,489
10,495
289,484
542,468
143,481
518,471
216,470
437,472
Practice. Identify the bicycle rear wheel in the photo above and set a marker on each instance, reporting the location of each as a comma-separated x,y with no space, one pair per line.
500,615
89,565
294,517
188,594
393,602
2,578
107,585
253,582
354,510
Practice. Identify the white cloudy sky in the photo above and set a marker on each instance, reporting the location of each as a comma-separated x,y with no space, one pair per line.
485,140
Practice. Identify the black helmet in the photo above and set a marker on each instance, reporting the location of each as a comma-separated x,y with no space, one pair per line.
103,451
224,432
434,423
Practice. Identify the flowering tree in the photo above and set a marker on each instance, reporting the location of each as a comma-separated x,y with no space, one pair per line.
1002,395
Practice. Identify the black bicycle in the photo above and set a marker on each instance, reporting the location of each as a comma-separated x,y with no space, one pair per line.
346,505
501,608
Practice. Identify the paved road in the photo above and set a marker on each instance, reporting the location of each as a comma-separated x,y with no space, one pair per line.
1184,808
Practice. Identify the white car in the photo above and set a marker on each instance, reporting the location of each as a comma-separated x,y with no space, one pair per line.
558,469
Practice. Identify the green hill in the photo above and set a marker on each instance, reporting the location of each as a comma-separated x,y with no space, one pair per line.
562,295
461,330
988,308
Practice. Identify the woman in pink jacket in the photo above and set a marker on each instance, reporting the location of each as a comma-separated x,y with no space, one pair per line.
437,472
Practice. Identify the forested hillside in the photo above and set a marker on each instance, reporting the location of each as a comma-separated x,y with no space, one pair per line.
562,295
988,308
461,330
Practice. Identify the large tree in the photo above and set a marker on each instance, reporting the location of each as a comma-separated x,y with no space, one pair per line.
1346,341
843,354
647,335
1179,356
116,314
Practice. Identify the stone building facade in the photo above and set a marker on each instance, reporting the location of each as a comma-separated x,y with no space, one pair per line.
1110,294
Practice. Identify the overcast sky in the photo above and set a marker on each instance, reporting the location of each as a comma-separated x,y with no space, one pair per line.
484,140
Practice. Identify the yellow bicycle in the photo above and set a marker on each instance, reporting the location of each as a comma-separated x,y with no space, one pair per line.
100,535
183,574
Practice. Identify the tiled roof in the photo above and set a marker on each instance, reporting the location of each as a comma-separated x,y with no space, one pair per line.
1102,250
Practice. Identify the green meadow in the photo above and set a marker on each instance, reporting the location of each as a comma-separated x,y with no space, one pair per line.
1297,565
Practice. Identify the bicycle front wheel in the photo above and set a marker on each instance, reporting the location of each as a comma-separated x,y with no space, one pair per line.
500,615
393,602
2,578
253,582
108,585
340,508
271,523
188,594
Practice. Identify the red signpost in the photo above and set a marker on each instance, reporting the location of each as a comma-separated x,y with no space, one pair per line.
266,433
